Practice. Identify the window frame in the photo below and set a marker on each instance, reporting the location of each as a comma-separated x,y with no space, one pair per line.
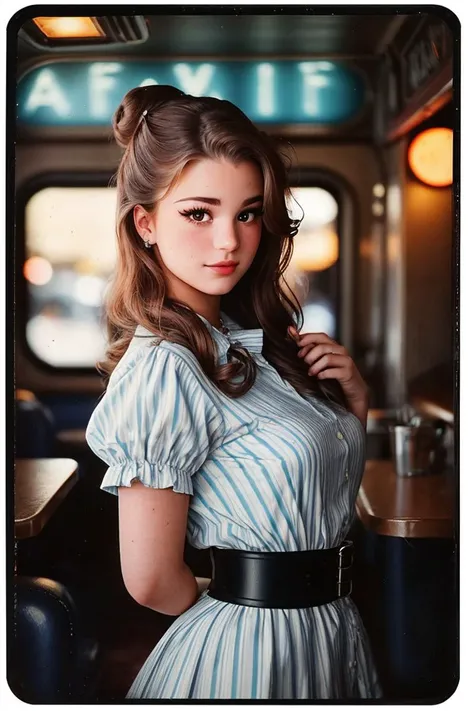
348,231
23,194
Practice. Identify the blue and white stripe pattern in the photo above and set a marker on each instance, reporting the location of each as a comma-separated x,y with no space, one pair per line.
269,471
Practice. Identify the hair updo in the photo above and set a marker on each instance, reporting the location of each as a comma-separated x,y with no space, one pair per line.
162,129
142,99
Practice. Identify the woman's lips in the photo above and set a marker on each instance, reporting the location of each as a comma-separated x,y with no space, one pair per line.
223,269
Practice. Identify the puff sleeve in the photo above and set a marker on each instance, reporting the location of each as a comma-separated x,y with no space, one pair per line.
155,423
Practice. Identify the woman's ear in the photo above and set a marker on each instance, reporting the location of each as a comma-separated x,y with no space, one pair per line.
143,224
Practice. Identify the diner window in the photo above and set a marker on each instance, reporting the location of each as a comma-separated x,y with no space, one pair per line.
70,256
313,271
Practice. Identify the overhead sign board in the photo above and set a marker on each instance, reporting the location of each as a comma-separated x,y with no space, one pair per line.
425,54
84,93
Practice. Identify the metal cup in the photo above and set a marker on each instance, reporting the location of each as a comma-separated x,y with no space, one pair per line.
416,449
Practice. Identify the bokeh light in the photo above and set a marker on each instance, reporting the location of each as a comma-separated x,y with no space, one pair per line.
430,156
37,271
316,251
319,206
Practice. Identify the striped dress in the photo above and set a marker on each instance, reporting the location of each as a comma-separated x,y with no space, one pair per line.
269,471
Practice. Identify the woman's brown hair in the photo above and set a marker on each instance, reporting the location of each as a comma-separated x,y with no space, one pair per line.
162,130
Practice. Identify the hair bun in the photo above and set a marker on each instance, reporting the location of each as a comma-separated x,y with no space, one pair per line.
134,103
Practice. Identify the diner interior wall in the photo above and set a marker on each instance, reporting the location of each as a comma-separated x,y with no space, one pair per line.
429,277
419,285
395,277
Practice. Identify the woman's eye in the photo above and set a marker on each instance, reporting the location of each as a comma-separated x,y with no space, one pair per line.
196,215
248,216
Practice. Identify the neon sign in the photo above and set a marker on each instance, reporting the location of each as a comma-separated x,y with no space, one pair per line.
66,93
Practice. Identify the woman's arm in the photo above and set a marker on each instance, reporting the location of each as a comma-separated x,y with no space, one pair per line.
152,526
361,409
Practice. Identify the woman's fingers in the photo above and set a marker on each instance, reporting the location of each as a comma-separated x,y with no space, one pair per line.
321,352
331,361
333,373
310,353
312,338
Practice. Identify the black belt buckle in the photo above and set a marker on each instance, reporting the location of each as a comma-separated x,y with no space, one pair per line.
345,560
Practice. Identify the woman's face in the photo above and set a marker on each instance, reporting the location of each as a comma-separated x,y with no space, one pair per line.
212,215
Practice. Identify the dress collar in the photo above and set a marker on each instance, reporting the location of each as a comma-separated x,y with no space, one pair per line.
249,338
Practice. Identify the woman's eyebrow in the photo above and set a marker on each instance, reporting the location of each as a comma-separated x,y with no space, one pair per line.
216,201
249,201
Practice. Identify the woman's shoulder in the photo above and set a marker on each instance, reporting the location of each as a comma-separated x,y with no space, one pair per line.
148,353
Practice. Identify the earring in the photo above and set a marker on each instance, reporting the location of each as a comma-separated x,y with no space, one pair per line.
147,244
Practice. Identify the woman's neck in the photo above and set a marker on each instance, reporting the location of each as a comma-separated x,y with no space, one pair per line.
211,312
206,305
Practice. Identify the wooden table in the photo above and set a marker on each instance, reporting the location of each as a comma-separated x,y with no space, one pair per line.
40,486
407,507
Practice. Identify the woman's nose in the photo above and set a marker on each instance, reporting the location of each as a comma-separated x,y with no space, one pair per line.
226,237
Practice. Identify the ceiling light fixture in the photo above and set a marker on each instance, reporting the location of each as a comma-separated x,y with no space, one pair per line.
69,27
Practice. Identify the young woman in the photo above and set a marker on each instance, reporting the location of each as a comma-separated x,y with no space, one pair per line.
221,422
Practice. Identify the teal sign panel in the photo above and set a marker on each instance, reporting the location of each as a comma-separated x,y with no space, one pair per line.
67,93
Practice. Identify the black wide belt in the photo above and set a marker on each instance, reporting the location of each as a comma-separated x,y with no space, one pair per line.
281,580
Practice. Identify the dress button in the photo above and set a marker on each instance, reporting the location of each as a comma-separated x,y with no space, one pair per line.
340,435
346,474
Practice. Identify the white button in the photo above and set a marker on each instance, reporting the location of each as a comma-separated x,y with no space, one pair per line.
340,435
346,474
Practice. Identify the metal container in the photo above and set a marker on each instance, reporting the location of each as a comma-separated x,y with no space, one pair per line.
417,448
378,421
